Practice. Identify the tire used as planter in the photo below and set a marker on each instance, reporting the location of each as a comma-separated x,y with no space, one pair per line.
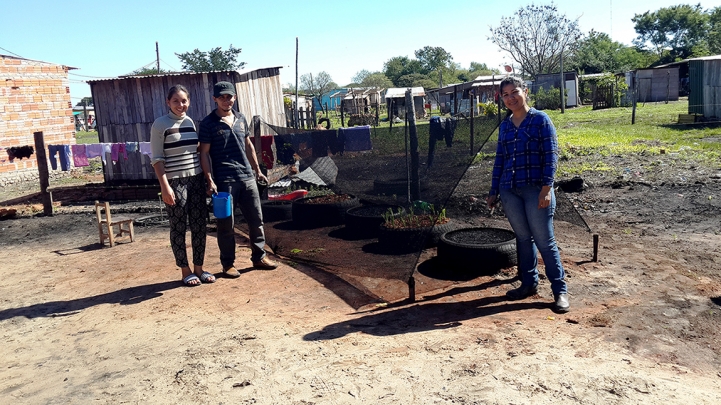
276,211
365,221
477,251
406,240
311,212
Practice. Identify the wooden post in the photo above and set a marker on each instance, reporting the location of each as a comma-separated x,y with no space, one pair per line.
390,117
256,139
563,85
595,248
43,173
635,96
455,100
85,114
342,113
413,136
378,114
473,107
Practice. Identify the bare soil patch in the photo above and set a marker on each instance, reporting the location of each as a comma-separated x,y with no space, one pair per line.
84,324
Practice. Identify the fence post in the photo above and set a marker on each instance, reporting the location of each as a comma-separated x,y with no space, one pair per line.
473,107
413,136
342,113
43,173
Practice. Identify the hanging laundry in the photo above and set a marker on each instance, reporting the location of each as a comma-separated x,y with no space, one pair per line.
131,146
357,138
80,158
331,137
450,130
116,150
94,150
144,148
63,152
20,152
319,143
106,149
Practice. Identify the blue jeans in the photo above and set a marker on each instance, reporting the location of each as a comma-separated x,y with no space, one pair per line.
534,232
246,197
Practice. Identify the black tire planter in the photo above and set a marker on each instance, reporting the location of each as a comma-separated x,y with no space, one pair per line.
307,214
365,221
406,240
276,211
477,251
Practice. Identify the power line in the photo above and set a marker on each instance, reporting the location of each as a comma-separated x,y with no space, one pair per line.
91,77
11,52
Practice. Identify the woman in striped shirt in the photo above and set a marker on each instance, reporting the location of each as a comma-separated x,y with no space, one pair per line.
174,144
523,176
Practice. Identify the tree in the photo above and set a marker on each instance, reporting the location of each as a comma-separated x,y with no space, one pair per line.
360,76
88,101
146,71
318,85
714,34
535,36
376,80
673,33
215,59
598,53
399,66
416,80
434,59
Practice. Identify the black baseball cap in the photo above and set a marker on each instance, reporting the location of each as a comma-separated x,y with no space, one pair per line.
221,88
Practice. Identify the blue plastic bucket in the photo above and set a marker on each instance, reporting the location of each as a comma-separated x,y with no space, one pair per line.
222,205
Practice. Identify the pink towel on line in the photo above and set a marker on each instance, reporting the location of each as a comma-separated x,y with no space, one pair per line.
80,158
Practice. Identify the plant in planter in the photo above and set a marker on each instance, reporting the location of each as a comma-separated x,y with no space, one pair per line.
365,221
414,231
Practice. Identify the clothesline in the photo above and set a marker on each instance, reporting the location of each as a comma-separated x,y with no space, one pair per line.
83,151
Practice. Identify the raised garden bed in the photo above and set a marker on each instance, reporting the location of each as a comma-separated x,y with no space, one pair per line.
477,251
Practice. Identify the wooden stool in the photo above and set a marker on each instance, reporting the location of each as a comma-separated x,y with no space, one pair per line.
109,222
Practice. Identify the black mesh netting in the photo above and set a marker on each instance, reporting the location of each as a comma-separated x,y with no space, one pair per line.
371,167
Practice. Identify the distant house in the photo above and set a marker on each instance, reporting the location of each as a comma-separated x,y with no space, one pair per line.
656,84
126,107
331,100
34,97
396,101
358,100
459,97
570,84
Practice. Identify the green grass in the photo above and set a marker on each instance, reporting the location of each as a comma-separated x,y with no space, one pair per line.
86,137
583,132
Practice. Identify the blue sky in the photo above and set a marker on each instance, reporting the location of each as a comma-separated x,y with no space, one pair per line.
107,39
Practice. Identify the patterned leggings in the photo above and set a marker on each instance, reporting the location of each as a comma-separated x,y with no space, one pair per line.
189,205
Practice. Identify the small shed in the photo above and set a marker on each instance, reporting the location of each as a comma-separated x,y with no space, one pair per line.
705,86
34,97
396,101
359,100
546,81
126,107
656,84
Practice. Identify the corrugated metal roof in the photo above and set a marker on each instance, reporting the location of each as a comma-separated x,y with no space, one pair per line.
182,74
488,83
397,92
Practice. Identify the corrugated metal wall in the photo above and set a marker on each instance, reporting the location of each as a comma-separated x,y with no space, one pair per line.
657,84
695,96
125,108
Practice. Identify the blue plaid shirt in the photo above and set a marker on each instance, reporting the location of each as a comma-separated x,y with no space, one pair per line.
527,155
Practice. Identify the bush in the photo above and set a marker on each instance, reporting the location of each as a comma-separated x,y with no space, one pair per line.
547,99
489,108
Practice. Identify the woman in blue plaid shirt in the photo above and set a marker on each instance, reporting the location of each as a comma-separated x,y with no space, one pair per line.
526,160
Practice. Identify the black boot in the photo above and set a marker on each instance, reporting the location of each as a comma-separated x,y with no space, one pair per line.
561,305
522,292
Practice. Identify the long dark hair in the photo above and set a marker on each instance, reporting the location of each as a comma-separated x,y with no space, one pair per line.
177,89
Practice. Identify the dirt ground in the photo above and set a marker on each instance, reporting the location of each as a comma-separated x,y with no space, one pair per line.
84,324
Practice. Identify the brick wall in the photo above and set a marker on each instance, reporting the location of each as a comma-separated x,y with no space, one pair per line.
34,96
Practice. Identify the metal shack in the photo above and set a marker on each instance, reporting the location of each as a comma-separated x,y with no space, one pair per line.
704,75
125,108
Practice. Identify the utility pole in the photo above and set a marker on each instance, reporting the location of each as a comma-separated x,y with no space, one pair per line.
563,83
297,117
157,57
